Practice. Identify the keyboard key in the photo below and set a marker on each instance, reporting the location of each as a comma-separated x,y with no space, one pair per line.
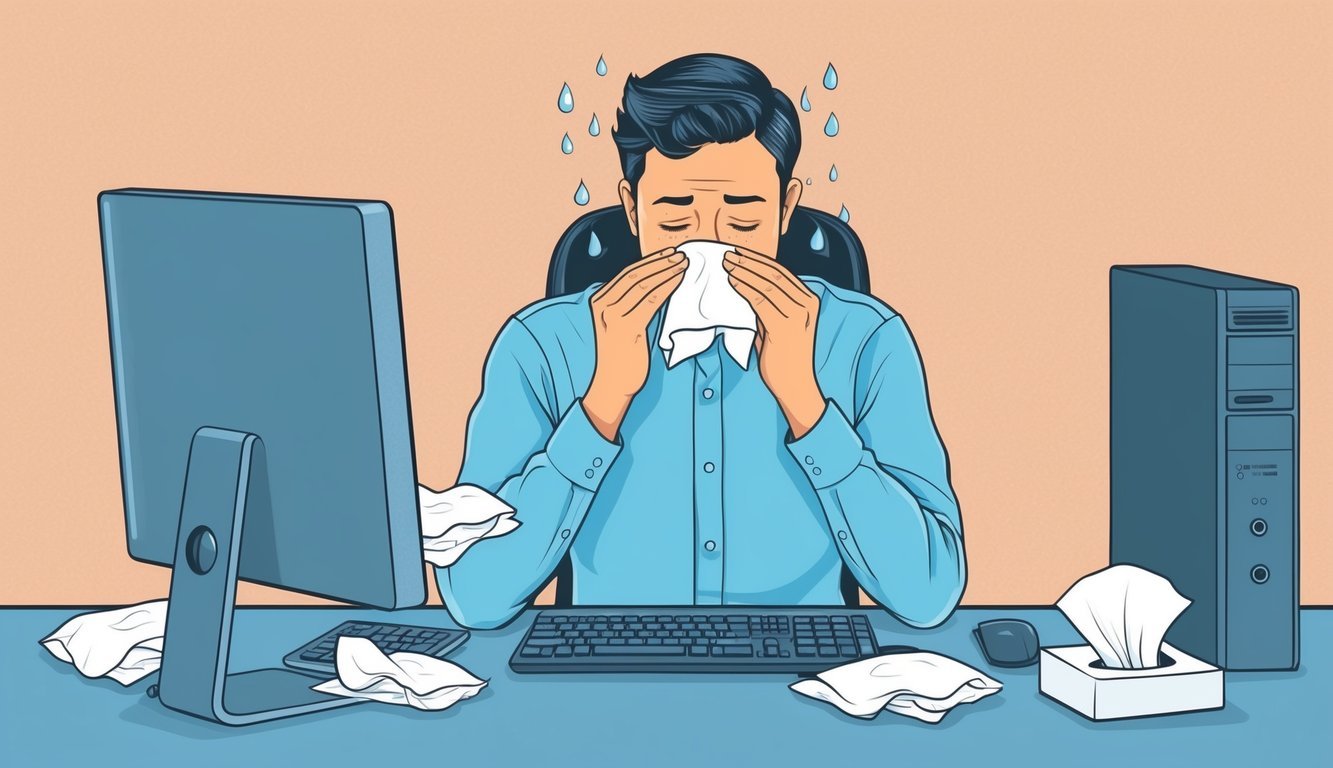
539,642
732,650
564,650
639,650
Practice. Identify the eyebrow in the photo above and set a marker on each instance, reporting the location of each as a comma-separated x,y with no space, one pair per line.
729,199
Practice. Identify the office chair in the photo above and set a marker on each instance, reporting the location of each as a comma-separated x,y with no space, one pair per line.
599,244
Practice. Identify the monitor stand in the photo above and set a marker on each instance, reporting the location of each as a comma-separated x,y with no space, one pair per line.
226,476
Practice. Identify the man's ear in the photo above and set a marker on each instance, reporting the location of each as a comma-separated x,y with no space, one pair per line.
631,208
790,198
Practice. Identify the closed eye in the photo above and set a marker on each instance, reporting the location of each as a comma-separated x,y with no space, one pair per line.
745,227
675,227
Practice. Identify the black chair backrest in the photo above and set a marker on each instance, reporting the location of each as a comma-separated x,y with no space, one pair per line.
598,245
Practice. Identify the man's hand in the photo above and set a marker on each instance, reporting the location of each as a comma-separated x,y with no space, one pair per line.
787,312
621,310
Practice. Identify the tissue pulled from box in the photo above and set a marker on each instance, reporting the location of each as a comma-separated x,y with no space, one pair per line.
454,519
1123,612
922,685
411,679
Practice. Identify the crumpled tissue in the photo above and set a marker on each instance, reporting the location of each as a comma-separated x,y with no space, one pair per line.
413,679
922,685
454,519
124,644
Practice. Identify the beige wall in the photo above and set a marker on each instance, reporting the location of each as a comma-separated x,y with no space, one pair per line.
996,157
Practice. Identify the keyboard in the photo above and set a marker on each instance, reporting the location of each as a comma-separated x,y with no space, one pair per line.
695,639
318,654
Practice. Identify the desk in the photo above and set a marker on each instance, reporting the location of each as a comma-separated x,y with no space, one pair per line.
49,714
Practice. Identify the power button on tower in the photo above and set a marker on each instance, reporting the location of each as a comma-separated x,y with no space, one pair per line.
1259,574
1258,526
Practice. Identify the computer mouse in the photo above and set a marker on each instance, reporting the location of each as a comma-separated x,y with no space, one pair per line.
1008,642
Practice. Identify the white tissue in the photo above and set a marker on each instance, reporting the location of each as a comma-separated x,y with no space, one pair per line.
413,679
705,305
454,519
922,685
1123,612
124,644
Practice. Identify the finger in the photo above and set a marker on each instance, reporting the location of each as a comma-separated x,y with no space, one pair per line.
768,312
636,293
650,264
626,271
651,300
774,271
775,293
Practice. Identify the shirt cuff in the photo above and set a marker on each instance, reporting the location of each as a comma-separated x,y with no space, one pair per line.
830,450
578,451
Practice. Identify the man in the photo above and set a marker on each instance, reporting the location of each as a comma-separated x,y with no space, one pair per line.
708,482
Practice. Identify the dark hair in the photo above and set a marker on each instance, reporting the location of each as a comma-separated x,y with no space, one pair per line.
701,99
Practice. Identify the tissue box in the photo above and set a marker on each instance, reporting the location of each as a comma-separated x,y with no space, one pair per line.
1187,684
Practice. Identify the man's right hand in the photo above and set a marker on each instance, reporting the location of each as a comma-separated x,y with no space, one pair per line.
621,310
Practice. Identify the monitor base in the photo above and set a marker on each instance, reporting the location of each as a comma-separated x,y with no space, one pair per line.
226,479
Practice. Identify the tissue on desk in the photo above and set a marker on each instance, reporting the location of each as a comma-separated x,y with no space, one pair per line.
1124,612
413,679
454,519
705,305
922,685
124,644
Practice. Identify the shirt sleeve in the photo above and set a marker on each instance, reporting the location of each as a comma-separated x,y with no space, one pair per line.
882,477
546,465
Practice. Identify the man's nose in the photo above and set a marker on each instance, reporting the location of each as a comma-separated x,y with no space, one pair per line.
710,225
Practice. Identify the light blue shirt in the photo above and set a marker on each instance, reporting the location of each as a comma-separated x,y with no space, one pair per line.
704,499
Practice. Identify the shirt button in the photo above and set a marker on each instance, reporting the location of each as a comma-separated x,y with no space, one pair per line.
597,461
564,534
842,535
708,466
710,545
588,474
708,393
814,471
809,459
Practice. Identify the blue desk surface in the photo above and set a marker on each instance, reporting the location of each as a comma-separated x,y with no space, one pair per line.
49,714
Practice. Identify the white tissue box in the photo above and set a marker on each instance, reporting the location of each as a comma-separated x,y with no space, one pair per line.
1067,675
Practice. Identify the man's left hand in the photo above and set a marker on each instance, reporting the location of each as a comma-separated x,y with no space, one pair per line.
787,313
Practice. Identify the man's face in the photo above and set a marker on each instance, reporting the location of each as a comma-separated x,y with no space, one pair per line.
725,192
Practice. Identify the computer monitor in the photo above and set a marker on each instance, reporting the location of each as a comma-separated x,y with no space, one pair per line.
260,389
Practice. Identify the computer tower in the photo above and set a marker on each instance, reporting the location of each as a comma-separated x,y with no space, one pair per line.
1205,427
